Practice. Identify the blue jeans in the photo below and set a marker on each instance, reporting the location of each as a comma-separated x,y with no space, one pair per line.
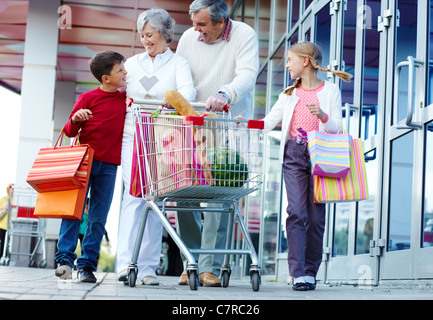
101,185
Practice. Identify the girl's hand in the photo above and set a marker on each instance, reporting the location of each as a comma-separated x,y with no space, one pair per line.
240,118
316,111
81,115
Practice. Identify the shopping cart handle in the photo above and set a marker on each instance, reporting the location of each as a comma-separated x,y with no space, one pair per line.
129,101
226,108
256,124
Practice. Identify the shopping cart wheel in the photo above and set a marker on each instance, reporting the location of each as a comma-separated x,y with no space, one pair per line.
225,278
255,280
132,277
43,264
193,280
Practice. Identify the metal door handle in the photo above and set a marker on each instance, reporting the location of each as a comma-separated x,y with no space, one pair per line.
412,63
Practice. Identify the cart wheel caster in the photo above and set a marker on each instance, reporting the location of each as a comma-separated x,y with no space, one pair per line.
132,277
225,278
193,280
255,280
43,264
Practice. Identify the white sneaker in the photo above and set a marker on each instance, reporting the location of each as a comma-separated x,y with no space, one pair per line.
64,272
150,281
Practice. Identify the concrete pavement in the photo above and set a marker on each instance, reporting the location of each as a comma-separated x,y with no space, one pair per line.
20,283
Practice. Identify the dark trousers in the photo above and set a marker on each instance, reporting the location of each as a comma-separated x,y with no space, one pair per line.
305,223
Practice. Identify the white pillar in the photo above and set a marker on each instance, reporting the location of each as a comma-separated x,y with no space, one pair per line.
64,100
37,99
38,84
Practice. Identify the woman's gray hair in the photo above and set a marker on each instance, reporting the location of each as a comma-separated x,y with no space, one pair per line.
217,9
160,20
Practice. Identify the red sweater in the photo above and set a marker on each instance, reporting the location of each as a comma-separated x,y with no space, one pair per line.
104,131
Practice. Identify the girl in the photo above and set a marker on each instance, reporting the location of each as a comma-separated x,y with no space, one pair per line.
310,104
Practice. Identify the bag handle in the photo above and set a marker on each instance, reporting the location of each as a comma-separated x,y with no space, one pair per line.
61,140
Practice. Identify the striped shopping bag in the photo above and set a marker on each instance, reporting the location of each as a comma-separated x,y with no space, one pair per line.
329,154
61,167
353,187
143,166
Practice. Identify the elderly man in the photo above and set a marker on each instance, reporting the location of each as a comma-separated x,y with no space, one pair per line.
223,57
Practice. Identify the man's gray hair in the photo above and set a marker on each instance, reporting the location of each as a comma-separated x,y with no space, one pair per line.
217,9
160,20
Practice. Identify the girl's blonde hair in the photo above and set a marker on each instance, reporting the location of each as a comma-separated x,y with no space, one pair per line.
314,53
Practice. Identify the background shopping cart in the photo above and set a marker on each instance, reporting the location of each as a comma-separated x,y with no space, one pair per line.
23,224
208,162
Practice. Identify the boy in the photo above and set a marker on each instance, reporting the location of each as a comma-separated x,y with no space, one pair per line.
98,117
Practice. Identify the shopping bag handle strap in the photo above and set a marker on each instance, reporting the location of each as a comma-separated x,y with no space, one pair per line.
61,140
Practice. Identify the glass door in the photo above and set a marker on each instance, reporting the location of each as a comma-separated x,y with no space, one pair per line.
404,239
349,252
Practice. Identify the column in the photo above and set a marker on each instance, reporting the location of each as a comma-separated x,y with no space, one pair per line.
37,102
38,84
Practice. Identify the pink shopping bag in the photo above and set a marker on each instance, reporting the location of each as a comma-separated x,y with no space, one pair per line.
353,187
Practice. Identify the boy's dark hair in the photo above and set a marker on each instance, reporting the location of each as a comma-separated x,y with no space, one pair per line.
103,62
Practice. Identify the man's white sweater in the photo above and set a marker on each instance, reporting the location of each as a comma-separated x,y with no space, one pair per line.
225,65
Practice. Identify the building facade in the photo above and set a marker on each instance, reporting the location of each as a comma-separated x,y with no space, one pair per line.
386,46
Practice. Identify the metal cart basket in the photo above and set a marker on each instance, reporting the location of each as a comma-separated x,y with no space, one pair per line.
22,223
208,162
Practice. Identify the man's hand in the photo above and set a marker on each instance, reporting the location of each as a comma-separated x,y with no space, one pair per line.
216,103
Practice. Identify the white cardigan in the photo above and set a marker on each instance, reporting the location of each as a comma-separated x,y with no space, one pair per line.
146,82
230,65
282,111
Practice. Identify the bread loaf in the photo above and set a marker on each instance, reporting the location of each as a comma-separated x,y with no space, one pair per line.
179,103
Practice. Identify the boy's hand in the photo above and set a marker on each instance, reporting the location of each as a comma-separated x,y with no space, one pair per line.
81,115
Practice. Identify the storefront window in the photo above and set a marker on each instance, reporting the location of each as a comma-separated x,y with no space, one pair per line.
400,189
427,240
264,29
323,34
280,22
341,229
294,12
365,213
259,109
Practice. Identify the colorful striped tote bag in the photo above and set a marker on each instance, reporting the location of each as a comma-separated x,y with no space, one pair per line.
329,153
353,187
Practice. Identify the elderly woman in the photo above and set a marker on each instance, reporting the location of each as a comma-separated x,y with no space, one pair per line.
150,75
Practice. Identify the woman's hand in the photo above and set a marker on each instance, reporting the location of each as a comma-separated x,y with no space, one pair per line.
167,105
81,115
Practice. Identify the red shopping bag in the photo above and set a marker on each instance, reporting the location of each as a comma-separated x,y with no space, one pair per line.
61,167
143,173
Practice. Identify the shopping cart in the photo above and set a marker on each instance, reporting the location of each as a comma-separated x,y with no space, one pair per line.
201,163
22,223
